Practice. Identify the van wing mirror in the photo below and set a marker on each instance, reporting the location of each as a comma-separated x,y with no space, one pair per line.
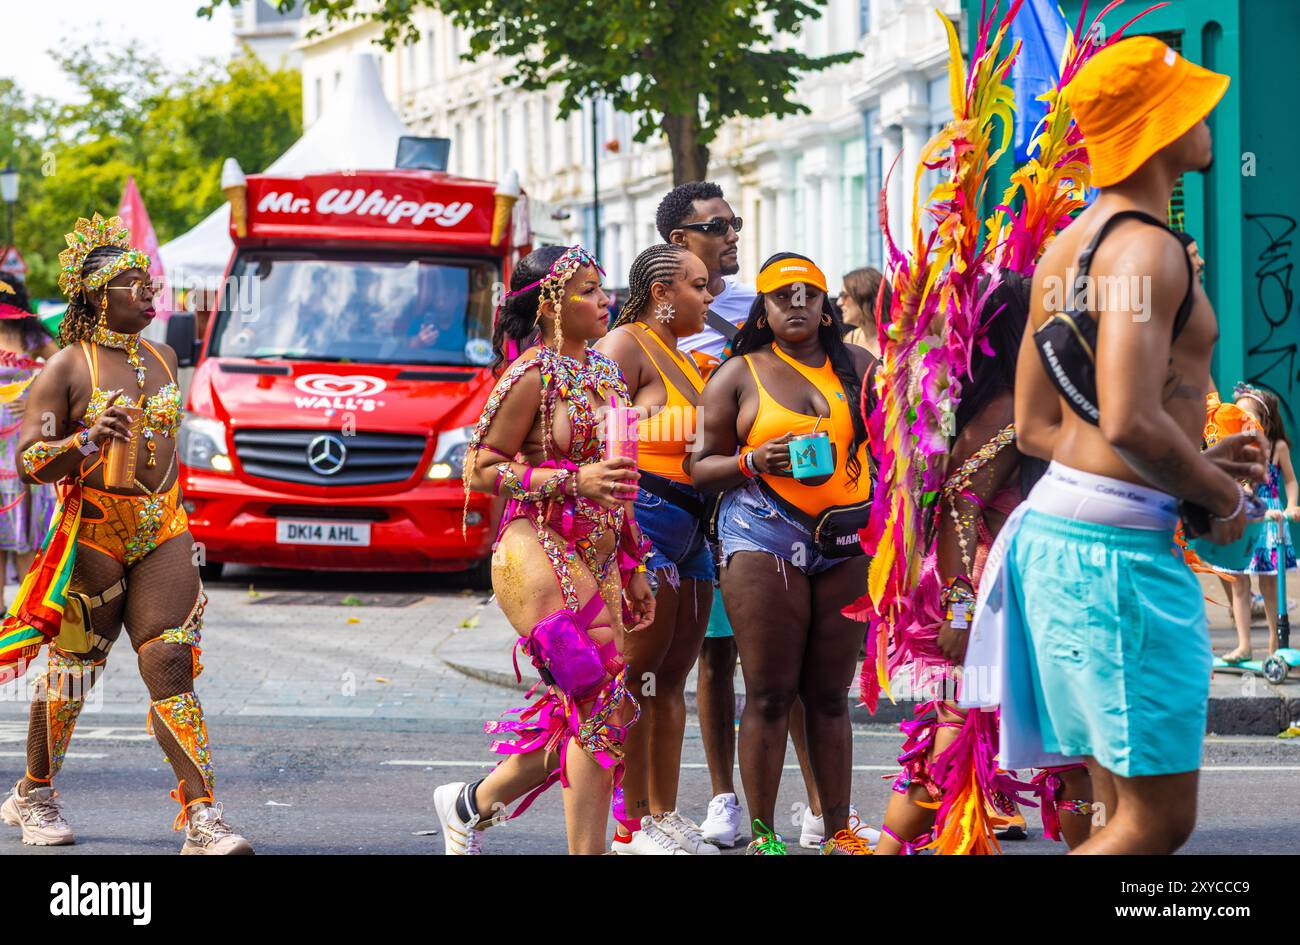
182,338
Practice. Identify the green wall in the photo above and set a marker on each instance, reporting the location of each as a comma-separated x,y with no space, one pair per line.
1244,210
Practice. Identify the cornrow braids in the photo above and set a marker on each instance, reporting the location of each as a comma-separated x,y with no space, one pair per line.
81,317
662,262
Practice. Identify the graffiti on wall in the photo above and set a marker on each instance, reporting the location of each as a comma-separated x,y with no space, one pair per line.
1271,362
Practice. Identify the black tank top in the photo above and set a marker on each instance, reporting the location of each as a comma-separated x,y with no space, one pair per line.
1067,341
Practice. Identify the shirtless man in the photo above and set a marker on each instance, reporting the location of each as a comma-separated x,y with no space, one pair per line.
1112,619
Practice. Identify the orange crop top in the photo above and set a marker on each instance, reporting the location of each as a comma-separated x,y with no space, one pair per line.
774,420
662,438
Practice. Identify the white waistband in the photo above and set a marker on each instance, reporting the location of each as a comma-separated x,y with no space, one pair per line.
1087,497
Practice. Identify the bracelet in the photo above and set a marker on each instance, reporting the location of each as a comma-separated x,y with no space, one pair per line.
745,461
1241,502
640,569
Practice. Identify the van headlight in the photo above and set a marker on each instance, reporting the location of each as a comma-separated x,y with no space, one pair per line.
202,443
449,455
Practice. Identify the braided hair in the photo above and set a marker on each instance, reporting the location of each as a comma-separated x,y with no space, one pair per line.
517,320
82,315
661,263
752,337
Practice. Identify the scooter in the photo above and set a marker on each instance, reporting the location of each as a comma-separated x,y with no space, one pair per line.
1285,658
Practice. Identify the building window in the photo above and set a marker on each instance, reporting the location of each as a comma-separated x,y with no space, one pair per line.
320,96
875,237
799,204
457,159
480,147
864,17
503,143
853,198
546,135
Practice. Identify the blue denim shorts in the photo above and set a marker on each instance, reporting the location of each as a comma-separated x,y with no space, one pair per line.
678,537
750,521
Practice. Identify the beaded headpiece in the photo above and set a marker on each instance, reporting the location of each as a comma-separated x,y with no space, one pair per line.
568,262
85,238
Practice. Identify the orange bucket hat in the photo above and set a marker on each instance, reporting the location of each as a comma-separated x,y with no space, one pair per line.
1135,97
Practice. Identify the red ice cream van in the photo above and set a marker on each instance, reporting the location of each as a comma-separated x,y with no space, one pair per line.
342,371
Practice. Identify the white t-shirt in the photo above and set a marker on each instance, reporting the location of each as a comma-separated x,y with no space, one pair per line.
733,304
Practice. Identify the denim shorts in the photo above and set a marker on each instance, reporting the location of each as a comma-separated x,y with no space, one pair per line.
677,536
749,520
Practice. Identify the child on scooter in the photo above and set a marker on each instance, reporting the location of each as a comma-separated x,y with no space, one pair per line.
1281,494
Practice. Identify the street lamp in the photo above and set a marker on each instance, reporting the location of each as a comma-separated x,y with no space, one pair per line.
9,192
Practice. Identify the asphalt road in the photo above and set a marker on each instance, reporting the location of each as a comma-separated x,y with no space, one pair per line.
332,723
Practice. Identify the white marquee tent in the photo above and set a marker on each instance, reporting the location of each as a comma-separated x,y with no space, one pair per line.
358,130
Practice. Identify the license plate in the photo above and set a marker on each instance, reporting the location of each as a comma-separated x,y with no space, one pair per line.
290,532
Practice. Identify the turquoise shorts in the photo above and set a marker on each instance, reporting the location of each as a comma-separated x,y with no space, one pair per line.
1119,646
719,625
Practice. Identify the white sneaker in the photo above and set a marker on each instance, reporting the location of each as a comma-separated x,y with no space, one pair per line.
686,833
867,834
208,834
38,816
812,828
459,836
721,826
650,840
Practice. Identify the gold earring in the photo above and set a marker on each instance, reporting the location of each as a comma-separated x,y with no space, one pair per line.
826,318
762,321
103,309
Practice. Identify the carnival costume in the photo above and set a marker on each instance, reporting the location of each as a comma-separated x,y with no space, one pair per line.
585,683
78,629
938,318
25,509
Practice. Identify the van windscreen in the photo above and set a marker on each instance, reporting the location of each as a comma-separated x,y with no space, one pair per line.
407,311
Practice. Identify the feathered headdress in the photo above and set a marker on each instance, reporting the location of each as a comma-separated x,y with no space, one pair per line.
933,328
85,238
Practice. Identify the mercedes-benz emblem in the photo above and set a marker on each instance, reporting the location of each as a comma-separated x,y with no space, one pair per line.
326,454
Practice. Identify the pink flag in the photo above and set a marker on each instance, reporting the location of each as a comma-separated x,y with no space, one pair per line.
143,238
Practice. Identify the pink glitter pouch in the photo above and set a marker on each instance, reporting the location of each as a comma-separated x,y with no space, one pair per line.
565,657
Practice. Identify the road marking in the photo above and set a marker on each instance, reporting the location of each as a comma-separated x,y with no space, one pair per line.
72,754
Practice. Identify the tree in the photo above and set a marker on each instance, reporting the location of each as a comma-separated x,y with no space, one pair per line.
130,118
682,67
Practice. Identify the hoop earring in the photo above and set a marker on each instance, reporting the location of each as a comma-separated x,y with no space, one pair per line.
665,312
762,321
826,319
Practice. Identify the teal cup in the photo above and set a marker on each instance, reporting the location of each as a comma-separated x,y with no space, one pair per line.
810,456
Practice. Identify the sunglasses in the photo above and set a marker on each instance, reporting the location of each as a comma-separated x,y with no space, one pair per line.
139,287
716,227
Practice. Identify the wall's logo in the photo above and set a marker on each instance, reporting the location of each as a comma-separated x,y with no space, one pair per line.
339,392
326,454
334,385
75,898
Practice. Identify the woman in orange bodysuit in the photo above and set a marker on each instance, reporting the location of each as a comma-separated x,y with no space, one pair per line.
131,553
788,562
668,300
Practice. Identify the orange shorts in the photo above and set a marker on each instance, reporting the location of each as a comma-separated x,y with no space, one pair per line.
128,527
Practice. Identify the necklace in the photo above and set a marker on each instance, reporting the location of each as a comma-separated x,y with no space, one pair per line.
123,341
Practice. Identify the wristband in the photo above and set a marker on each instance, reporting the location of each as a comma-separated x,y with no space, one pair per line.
85,444
745,461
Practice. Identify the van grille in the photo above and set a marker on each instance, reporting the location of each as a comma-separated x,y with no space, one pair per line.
370,458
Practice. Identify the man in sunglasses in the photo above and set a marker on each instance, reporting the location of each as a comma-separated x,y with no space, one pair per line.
696,216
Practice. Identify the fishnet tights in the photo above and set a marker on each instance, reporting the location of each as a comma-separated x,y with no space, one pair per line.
160,594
